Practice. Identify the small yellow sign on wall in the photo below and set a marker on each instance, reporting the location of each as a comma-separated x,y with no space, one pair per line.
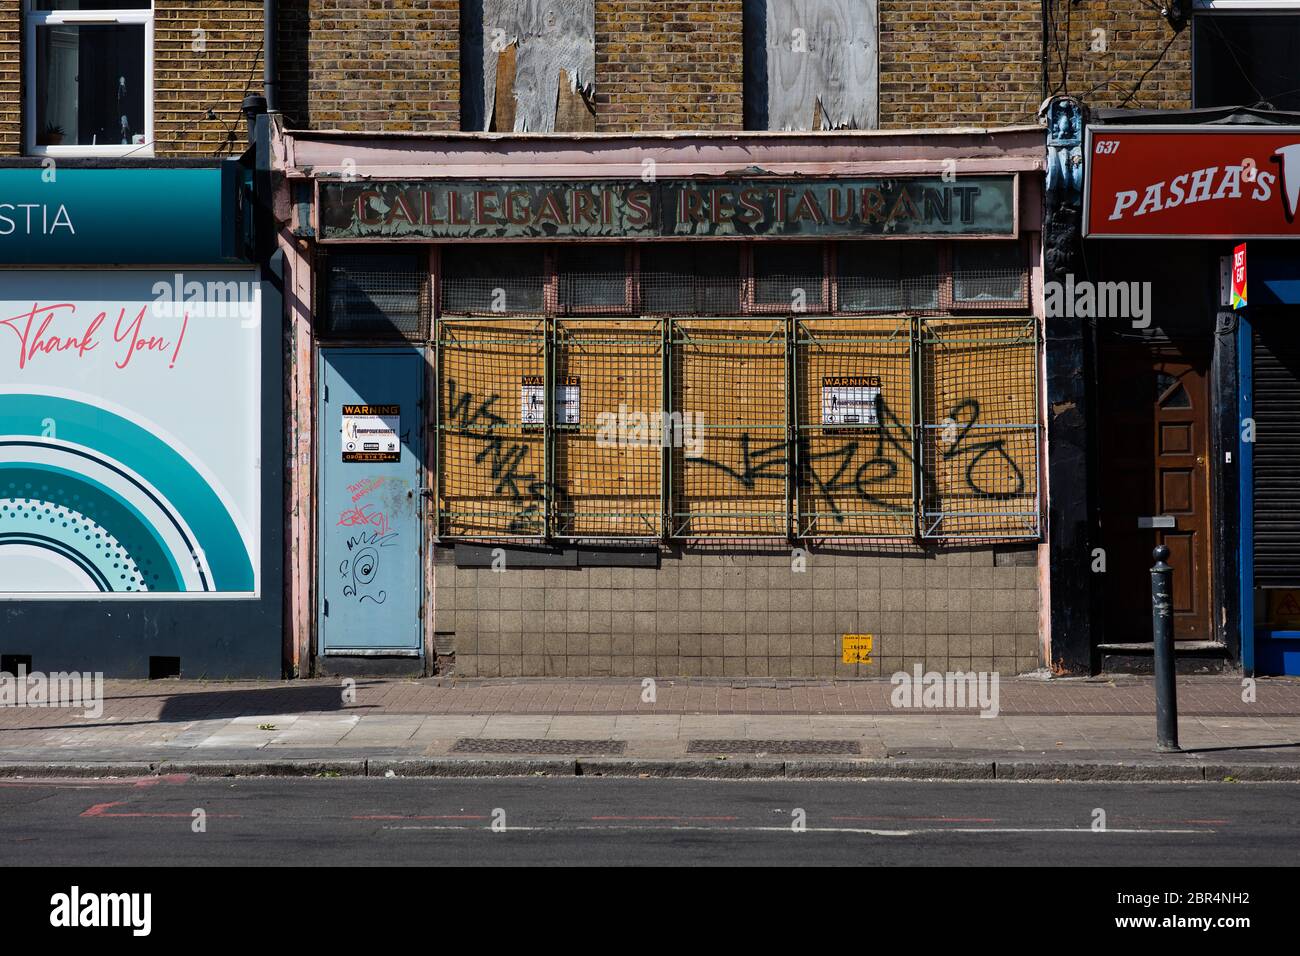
857,649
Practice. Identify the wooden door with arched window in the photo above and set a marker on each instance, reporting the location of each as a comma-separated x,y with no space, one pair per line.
1155,487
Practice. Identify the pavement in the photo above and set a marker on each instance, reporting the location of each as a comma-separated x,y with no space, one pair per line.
1058,729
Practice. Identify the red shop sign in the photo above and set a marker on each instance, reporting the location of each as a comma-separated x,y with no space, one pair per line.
1192,182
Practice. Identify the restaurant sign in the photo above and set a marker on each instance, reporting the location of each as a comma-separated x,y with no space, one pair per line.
729,208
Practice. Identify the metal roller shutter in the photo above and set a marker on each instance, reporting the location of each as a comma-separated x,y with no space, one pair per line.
1277,457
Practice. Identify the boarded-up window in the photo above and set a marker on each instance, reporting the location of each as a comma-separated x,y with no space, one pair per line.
590,419
854,421
979,402
528,66
609,430
491,437
811,64
730,389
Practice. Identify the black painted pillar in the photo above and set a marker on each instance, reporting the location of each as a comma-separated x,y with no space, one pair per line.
1070,475
1068,361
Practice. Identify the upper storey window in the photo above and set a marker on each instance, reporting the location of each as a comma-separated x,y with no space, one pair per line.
527,66
89,73
811,64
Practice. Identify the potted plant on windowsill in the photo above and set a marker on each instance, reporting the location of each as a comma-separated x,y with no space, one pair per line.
52,136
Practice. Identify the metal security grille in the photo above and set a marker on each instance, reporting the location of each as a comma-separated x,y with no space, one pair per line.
989,275
372,295
821,427
790,277
691,279
491,447
979,428
729,477
1276,411
853,394
493,280
891,277
595,279
609,428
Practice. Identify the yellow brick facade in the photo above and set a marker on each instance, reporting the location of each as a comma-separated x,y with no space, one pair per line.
661,65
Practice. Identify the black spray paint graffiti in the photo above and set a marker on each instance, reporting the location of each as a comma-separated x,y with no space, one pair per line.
765,462
360,571
506,460
892,443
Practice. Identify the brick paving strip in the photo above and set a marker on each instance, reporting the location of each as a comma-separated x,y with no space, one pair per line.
1077,729
196,700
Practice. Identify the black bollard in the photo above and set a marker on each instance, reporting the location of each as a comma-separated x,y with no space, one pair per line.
1162,628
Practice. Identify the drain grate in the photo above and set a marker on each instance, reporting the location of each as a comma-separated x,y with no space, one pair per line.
537,745
779,747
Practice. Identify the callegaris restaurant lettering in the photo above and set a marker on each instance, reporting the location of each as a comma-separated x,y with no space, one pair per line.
926,206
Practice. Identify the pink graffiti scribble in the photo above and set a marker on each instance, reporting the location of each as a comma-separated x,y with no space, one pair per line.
363,517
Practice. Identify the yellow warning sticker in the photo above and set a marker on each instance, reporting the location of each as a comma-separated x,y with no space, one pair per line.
857,649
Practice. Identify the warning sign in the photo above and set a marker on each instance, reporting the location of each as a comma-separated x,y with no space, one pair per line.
850,400
372,433
532,402
856,648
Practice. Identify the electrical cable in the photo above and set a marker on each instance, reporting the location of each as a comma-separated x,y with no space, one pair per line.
1143,78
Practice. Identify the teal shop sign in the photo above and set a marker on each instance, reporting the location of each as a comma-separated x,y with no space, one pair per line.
145,215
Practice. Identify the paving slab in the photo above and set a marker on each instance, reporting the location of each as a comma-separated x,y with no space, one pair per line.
1045,729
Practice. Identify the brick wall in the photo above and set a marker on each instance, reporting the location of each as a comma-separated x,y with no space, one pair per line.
355,64
669,65
1137,40
11,109
960,63
213,69
750,615
660,64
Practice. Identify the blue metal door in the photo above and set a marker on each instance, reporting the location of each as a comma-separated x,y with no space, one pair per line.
371,456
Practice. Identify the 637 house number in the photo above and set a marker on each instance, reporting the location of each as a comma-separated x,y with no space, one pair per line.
1107,147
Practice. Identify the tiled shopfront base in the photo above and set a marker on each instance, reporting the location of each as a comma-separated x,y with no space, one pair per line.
744,615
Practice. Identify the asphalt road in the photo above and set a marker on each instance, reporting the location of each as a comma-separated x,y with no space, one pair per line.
332,822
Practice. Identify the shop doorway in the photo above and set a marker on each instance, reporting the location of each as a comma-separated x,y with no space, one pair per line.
1154,406
371,456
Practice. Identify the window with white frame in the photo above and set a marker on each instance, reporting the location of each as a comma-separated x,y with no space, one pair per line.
89,66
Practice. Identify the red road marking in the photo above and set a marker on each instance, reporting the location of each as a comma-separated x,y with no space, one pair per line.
101,810
86,783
